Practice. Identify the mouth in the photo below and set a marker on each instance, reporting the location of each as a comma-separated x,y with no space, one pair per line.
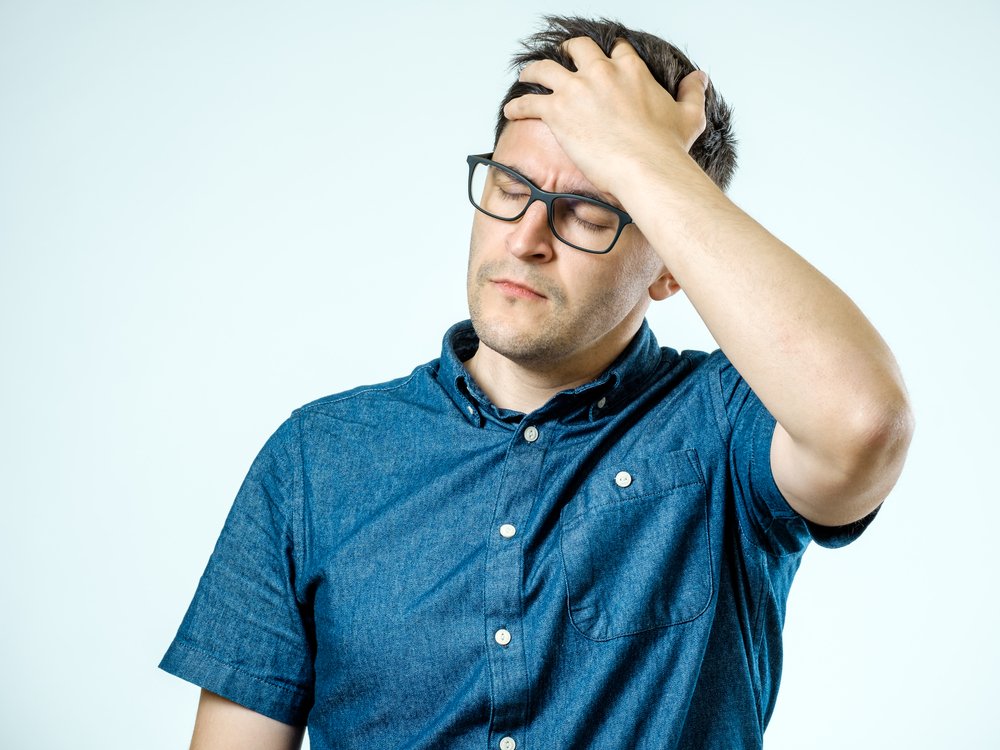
517,289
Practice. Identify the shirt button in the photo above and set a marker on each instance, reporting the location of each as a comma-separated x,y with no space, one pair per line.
531,434
507,531
623,479
602,403
502,636
507,743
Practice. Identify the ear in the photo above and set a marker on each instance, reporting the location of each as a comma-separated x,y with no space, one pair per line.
665,285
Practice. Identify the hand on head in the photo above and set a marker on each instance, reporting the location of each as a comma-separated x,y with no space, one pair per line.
611,109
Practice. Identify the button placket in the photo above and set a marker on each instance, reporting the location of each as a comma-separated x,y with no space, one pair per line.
515,496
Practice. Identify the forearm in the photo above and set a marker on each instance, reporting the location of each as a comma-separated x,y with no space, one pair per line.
804,347
806,350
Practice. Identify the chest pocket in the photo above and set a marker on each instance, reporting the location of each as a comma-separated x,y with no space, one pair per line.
636,556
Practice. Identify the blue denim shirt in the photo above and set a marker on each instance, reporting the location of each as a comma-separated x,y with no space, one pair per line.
408,566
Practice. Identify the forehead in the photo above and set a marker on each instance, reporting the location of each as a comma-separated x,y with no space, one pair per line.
528,147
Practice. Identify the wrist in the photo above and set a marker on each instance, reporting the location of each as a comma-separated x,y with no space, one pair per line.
663,177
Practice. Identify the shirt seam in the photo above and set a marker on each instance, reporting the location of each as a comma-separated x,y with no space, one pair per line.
298,505
776,516
187,645
623,499
749,535
329,400
726,439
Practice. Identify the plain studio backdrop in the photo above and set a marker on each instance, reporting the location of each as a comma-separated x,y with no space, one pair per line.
214,212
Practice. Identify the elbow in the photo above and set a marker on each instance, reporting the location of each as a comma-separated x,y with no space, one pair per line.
882,440
887,435
860,465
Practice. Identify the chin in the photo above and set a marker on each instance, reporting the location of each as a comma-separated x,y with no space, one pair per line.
524,343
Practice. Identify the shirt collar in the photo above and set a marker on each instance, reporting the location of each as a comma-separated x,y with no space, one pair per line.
602,396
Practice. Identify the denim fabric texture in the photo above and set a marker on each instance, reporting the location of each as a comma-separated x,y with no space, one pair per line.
408,566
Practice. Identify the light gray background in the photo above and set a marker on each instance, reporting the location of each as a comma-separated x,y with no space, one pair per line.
191,248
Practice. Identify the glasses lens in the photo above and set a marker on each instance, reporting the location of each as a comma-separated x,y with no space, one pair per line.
496,192
584,224
576,221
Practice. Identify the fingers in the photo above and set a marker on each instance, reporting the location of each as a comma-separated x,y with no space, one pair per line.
691,92
692,88
583,49
622,49
548,73
524,107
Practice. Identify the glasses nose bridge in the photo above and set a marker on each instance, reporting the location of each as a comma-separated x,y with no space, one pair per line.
537,194
533,238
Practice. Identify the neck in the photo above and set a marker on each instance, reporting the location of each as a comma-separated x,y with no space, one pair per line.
525,387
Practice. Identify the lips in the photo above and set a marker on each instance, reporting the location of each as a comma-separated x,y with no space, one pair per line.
517,289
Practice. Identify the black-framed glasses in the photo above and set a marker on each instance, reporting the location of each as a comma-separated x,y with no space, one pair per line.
582,222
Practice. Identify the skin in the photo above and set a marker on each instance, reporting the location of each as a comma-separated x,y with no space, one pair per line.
550,317
223,725
814,360
585,308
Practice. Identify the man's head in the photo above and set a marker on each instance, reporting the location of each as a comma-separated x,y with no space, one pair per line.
544,304
533,299
715,149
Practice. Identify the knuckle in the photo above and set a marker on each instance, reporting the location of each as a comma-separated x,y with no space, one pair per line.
548,66
633,62
700,123
698,119
604,70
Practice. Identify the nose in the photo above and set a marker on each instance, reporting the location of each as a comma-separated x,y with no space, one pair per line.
530,237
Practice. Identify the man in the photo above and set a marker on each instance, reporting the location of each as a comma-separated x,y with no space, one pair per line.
559,534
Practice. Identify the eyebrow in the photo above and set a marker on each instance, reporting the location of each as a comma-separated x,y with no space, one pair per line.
585,193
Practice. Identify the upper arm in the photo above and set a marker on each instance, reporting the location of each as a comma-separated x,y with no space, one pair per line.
223,725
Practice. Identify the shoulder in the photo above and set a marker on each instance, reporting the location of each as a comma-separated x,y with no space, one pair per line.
370,411
691,362
706,386
693,370
369,395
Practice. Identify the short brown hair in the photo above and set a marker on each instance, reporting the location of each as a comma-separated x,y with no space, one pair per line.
715,149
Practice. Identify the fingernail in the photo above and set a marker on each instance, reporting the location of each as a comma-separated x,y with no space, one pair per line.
704,79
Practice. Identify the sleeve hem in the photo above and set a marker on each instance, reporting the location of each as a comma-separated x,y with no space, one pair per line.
278,702
833,537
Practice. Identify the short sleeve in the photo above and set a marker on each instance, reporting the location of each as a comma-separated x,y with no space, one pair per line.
246,636
774,523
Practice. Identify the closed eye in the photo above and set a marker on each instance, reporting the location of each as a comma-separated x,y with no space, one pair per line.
583,224
511,196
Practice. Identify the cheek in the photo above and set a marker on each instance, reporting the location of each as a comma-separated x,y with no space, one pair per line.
629,273
643,265
483,228
625,283
475,241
